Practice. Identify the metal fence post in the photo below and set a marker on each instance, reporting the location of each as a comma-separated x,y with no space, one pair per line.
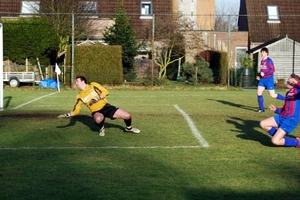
228,52
1,67
72,64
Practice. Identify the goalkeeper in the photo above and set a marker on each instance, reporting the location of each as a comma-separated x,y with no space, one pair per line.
93,95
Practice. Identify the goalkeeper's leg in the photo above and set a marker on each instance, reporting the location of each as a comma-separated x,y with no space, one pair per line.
101,124
99,120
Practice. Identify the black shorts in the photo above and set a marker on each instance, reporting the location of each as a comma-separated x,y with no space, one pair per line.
108,111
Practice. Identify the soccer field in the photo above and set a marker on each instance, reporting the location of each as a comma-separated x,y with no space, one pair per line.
192,145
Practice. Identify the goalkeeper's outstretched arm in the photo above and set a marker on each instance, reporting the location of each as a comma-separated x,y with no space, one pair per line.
67,115
75,110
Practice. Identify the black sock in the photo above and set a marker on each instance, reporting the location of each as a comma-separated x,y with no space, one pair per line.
101,124
128,122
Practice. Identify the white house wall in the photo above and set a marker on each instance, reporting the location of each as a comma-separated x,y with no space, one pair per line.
286,57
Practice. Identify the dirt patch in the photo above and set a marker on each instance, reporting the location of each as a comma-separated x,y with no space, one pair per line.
31,115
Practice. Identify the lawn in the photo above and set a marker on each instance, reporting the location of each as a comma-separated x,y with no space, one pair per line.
194,144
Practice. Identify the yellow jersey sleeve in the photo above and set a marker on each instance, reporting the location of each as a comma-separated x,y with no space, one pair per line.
77,106
90,96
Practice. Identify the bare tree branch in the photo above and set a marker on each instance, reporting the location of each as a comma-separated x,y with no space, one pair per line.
226,15
59,13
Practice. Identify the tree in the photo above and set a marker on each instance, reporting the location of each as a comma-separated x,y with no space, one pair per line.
59,13
247,61
121,33
169,45
193,40
164,58
175,41
30,38
226,15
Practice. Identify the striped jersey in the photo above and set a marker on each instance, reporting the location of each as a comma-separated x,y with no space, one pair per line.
291,107
267,67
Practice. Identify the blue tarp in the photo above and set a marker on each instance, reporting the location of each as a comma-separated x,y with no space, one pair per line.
48,83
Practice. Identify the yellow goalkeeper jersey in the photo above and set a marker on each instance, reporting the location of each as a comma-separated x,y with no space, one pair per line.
90,96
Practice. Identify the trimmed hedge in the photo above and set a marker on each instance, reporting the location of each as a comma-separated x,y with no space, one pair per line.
98,63
29,38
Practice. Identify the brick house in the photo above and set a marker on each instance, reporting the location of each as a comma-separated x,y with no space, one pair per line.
235,43
274,24
199,12
268,19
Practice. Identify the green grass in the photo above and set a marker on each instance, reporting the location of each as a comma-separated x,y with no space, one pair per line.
43,157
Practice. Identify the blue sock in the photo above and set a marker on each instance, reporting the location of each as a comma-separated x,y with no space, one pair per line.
280,97
260,100
272,131
290,142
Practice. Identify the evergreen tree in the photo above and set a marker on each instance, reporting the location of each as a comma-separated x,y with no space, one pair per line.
121,33
198,71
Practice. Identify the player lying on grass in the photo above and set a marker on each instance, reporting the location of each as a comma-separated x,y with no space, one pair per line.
93,95
288,116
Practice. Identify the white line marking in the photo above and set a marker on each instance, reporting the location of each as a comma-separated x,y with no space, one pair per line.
107,147
19,106
193,127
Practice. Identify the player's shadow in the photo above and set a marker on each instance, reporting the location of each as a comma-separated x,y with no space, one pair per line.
246,130
89,122
236,105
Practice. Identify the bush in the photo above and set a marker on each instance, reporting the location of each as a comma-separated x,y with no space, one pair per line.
99,63
161,81
218,61
204,74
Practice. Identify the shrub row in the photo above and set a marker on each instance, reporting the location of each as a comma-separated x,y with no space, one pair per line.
99,63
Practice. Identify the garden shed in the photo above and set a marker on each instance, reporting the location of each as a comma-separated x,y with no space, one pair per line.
285,54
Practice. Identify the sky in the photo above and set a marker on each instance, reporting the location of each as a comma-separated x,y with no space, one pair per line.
228,1
227,6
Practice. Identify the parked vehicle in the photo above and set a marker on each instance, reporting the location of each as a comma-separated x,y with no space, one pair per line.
15,78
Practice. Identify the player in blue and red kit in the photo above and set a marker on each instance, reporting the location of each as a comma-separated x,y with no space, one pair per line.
266,79
288,116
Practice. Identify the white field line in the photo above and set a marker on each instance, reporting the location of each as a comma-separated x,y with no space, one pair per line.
193,127
19,106
188,119
107,147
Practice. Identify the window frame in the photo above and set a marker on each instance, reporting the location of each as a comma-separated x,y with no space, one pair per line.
143,4
29,8
239,52
273,14
89,8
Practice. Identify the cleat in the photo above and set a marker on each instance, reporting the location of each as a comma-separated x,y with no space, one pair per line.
132,129
102,132
260,111
298,138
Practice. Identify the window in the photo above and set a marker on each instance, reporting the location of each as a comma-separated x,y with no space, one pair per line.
146,9
30,7
89,8
239,53
273,14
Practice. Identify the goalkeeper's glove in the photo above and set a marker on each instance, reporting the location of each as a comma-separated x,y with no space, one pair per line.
64,115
